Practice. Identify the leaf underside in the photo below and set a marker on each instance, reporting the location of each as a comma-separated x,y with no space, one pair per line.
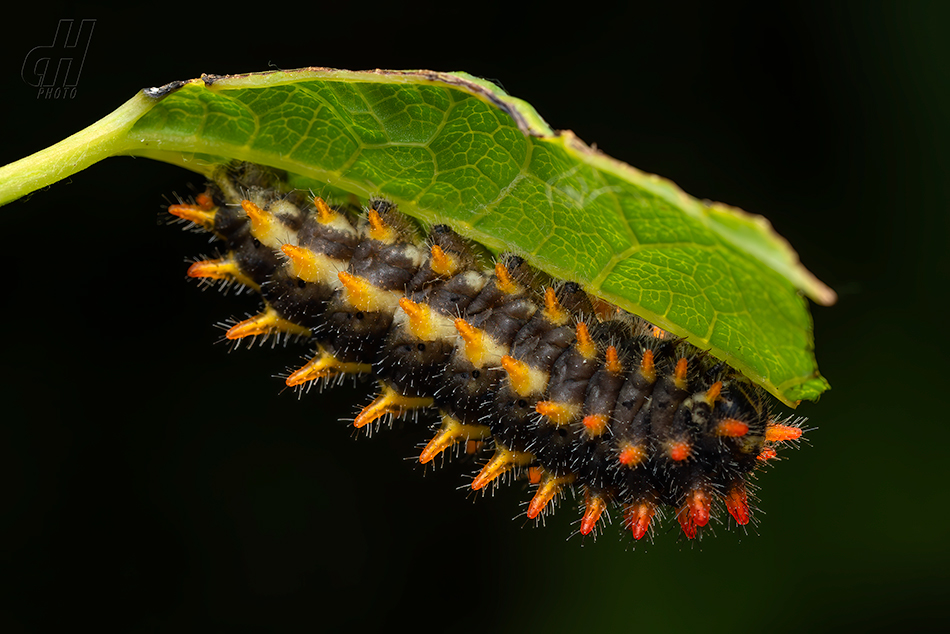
449,148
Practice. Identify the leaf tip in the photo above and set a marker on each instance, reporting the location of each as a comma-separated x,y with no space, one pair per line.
809,390
160,92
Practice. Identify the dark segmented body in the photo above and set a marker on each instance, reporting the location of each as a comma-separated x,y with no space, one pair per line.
580,394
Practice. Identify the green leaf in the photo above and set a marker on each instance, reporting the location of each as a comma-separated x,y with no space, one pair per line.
448,147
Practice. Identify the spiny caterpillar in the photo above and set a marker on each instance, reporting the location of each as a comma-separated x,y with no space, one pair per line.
549,383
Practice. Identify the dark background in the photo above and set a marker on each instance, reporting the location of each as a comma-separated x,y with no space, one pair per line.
151,481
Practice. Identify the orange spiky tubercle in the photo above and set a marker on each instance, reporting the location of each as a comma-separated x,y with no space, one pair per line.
594,507
566,390
550,487
451,433
324,367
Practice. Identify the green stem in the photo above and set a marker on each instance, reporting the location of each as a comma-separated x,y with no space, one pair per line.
106,137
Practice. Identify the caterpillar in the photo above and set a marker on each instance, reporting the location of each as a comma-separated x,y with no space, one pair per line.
536,377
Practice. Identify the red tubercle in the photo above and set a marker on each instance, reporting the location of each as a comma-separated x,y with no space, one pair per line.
732,428
686,523
767,454
680,451
780,433
737,503
592,512
534,475
699,507
204,201
638,517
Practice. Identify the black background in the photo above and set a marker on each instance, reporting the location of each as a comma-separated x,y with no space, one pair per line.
151,481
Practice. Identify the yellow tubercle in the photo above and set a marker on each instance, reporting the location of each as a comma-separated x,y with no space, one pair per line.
451,432
266,227
503,461
647,369
223,269
559,413
474,339
504,282
422,322
390,402
201,214
613,361
332,218
553,311
313,267
325,215
585,344
420,319
679,375
525,380
266,323
480,349
548,489
324,366
378,229
362,295
441,262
